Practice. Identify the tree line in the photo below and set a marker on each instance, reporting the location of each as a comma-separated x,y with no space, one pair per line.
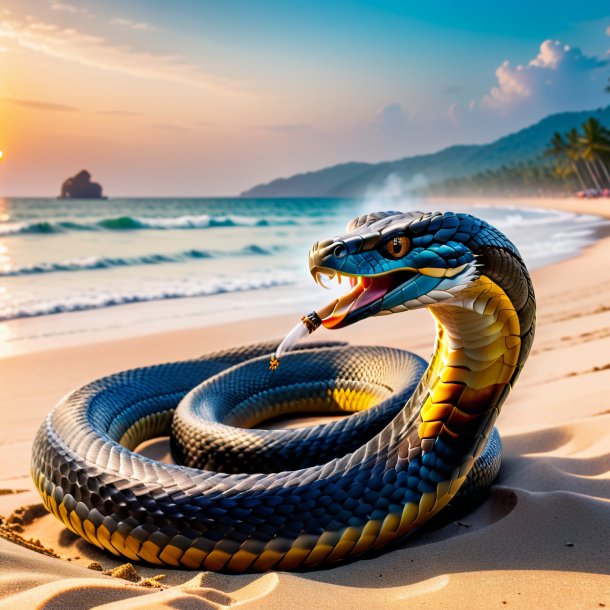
578,160
583,153
534,177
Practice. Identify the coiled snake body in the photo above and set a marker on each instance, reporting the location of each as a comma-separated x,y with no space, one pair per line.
245,499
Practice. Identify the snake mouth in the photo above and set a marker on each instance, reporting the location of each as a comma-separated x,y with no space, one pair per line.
367,293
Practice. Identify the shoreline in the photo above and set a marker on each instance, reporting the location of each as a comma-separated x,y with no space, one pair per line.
536,542
23,335
596,207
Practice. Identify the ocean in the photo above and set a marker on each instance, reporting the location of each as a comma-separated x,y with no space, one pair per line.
60,259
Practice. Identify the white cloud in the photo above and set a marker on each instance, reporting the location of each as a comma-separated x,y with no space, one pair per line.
559,78
99,52
134,25
68,8
453,114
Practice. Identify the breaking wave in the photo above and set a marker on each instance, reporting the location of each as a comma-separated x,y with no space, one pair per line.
130,223
107,262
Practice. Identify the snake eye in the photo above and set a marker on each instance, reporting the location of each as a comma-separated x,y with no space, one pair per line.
397,247
340,251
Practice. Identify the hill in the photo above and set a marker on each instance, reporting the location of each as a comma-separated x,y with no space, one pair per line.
356,179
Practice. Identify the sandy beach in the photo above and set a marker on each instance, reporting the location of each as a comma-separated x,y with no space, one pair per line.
541,540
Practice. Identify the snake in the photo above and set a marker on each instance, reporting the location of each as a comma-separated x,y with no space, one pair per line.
419,437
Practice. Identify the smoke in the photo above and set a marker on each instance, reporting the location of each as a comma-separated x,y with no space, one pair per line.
394,193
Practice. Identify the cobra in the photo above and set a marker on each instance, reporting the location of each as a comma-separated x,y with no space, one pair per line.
419,439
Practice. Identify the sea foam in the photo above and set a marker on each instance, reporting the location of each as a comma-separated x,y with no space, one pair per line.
171,290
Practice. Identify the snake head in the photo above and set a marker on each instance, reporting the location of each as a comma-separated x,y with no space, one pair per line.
395,262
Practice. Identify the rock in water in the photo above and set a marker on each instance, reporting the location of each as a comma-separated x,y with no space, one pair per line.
81,187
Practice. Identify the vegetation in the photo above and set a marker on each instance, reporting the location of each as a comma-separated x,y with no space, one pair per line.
585,155
536,177
578,160
513,151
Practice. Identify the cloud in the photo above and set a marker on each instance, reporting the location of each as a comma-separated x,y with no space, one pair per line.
39,105
134,25
97,51
68,8
559,78
392,117
453,114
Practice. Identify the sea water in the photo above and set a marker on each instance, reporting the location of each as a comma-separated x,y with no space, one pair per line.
227,258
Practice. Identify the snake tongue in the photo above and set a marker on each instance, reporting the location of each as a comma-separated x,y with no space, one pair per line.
365,291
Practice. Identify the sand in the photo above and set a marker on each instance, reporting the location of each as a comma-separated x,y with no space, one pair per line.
541,540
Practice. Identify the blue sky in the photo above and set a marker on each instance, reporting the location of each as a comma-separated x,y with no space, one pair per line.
206,97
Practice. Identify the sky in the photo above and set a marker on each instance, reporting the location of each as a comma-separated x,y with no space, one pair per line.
208,98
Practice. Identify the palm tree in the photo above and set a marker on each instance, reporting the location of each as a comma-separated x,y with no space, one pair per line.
557,147
562,151
595,146
574,151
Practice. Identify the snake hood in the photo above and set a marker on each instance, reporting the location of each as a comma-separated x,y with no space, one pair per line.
399,261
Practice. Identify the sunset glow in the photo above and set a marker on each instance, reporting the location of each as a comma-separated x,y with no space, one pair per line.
204,98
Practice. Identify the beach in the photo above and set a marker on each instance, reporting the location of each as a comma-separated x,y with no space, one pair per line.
542,538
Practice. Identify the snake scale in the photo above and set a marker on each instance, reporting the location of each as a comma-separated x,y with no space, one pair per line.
248,499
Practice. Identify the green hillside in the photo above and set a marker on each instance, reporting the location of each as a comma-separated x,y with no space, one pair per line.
355,179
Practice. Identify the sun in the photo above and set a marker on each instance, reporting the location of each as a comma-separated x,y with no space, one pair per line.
1,155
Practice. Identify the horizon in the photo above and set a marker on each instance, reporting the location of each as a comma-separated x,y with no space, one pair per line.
338,197
213,101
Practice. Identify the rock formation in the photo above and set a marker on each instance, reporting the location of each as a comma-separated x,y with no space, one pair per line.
81,187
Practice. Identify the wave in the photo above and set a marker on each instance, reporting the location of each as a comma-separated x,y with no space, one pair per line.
130,223
106,262
175,290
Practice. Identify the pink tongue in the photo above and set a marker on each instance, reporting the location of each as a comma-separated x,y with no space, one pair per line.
377,289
